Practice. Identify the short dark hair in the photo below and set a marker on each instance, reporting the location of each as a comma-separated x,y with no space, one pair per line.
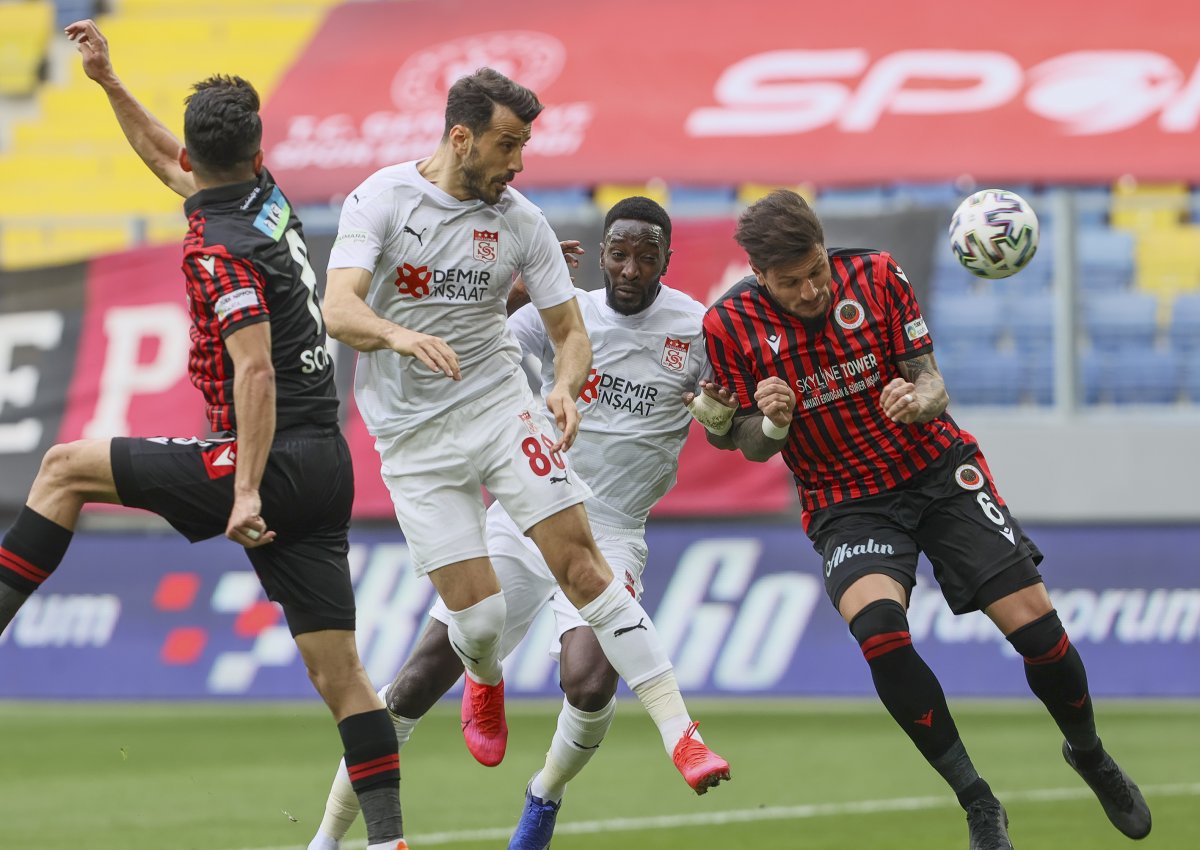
221,126
778,230
638,208
472,100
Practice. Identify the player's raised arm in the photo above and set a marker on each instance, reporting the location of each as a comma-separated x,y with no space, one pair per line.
154,143
351,321
572,360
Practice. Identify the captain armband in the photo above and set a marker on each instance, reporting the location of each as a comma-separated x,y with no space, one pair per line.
717,418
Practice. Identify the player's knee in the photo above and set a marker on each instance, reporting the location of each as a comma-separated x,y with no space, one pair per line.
1043,640
59,469
877,623
582,573
589,686
483,623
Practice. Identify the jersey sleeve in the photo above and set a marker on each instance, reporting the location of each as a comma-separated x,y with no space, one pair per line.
729,366
545,271
527,326
362,231
909,334
233,288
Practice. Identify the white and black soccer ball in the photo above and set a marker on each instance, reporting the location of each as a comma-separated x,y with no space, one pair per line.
994,233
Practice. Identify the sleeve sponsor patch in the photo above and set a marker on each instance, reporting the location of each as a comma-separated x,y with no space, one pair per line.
916,329
351,237
239,299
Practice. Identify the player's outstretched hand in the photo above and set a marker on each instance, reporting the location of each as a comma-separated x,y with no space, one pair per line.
572,250
433,351
714,391
93,47
900,401
775,400
566,417
246,526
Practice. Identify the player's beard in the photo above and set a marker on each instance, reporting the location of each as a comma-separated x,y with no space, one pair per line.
477,183
625,309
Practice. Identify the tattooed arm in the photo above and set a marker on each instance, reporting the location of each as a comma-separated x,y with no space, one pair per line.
918,396
776,403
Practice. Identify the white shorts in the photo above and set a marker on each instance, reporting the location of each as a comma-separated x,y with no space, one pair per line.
434,473
528,583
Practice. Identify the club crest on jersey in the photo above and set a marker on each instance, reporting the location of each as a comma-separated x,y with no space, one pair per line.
487,245
674,354
849,314
968,477
526,417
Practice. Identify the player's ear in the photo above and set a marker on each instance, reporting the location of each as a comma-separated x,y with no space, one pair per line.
758,273
258,161
461,139
185,161
666,263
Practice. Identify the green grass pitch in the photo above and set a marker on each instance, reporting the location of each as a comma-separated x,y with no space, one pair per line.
817,775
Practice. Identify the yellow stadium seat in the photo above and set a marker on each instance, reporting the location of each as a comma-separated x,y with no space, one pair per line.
606,195
1143,206
748,193
53,242
25,30
1167,261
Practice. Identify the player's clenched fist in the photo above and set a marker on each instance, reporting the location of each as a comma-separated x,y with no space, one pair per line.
900,401
775,400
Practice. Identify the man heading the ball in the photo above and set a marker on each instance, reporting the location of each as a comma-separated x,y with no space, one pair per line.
832,365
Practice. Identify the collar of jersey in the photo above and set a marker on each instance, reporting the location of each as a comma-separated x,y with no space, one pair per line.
227,192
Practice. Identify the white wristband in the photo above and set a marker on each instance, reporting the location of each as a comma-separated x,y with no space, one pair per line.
716,417
773,431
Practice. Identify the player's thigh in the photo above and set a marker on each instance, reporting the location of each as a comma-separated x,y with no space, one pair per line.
82,467
310,578
977,548
625,553
435,491
464,583
188,481
866,555
519,468
565,541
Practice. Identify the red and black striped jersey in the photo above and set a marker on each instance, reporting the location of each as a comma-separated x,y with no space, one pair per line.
245,261
841,445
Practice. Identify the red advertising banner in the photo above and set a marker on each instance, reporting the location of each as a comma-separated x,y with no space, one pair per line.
702,92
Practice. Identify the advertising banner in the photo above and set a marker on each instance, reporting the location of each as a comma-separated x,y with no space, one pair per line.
714,94
741,609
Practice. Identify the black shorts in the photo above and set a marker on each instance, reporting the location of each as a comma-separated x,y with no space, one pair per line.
951,512
307,490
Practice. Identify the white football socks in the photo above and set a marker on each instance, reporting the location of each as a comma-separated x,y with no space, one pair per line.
575,740
475,636
632,646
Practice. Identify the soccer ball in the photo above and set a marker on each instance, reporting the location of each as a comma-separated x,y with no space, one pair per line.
994,233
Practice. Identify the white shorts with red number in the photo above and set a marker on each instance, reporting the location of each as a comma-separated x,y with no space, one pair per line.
528,583
500,440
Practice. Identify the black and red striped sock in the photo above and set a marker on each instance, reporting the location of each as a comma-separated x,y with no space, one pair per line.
30,551
910,691
1057,677
373,762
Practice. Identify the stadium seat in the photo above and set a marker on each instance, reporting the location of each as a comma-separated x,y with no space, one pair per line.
748,193
1094,372
24,39
701,201
976,377
1184,330
564,201
952,280
1145,206
1121,320
1037,373
1191,376
1104,258
1092,204
946,194
1030,320
606,195
1168,259
853,200
967,322
1146,376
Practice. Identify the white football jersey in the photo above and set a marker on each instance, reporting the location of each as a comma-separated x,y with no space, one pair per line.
444,267
634,421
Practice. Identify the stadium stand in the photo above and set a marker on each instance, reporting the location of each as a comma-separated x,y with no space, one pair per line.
1145,206
1104,259
970,323
1184,330
25,30
73,187
1121,320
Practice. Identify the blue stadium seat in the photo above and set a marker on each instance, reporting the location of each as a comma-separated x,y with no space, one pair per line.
1146,376
928,194
852,200
1030,320
983,377
1094,372
568,200
1191,376
701,201
1092,204
1037,373
952,280
967,322
1104,259
1184,332
1121,320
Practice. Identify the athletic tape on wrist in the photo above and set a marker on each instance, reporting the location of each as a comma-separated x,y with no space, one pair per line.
773,431
710,413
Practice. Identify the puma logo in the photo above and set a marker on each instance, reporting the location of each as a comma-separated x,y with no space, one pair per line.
420,236
467,723
627,629
582,747
926,720
555,479
1077,703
